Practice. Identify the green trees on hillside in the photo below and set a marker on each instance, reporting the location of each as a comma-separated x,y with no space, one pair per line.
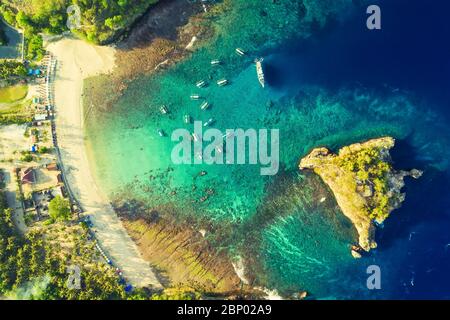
100,19
28,258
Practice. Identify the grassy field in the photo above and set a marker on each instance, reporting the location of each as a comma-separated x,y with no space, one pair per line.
15,113
13,93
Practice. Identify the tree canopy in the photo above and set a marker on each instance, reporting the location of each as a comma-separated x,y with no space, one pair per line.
59,209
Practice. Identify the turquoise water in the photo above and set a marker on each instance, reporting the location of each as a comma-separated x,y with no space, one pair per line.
287,227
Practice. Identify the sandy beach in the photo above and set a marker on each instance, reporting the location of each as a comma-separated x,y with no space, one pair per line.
77,60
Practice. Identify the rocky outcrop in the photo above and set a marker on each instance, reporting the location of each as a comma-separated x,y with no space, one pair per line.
362,179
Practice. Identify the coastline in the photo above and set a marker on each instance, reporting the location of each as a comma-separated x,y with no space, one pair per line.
76,61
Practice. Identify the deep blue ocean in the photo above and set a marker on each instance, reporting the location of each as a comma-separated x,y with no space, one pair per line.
411,53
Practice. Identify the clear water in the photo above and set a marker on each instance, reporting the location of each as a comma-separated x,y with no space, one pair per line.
334,87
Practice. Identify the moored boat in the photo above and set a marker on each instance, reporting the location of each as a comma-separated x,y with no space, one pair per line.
195,137
204,105
164,109
240,52
222,82
260,71
201,84
209,122
195,96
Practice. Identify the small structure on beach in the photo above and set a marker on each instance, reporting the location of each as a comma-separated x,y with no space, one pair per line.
52,166
40,117
28,176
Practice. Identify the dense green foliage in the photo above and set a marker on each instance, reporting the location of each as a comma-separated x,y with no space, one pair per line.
371,170
3,37
59,209
9,68
100,19
27,259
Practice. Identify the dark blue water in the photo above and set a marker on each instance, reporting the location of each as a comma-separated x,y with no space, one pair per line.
411,55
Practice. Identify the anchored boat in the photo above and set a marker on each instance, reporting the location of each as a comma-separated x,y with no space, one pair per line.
164,109
201,84
187,119
215,62
222,82
240,52
209,122
195,96
161,133
260,71
204,105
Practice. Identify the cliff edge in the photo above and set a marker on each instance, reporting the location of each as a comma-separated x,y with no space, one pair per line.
366,186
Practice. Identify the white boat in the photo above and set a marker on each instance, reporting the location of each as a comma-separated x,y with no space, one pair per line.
222,82
164,109
260,71
187,119
215,62
209,122
201,84
195,136
204,105
161,133
240,52
195,96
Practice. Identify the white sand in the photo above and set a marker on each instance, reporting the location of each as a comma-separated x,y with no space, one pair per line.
77,60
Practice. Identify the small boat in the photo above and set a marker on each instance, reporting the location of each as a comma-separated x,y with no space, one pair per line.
161,133
201,84
204,105
195,96
215,62
227,135
222,82
219,149
209,122
164,109
260,71
187,119
240,52
195,136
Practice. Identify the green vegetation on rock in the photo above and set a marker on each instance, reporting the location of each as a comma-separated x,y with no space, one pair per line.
371,168
366,186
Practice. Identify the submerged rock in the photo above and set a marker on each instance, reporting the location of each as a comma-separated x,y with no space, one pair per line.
366,186
356,254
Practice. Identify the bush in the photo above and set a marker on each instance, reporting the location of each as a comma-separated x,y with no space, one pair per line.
59,209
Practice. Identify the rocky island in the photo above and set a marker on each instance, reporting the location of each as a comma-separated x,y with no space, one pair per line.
366,186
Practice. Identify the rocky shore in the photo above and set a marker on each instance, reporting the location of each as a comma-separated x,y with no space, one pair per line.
366,186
